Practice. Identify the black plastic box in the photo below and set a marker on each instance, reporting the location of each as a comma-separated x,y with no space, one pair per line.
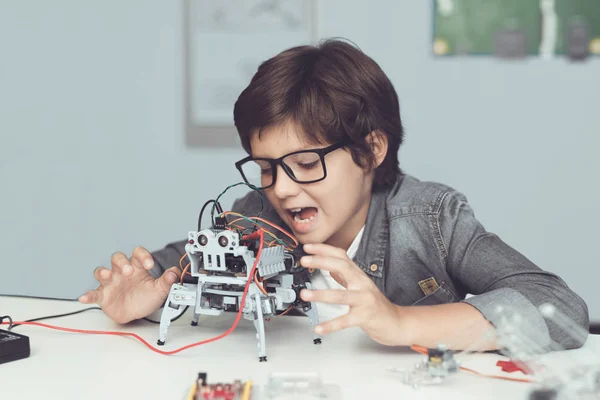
13,346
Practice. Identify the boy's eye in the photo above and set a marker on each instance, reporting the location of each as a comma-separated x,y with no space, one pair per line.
303,161
309,165
265,171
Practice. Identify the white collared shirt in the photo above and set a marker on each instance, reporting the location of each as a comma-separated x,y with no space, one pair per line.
322,280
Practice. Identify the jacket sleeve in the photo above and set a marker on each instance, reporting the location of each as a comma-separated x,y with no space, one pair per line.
498,275
167,257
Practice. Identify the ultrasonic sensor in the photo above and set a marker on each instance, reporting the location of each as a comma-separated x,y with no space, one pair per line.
203,240
223,241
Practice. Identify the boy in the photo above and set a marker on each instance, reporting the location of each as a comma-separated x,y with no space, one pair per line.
397,256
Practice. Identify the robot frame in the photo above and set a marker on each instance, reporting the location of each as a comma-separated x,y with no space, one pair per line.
236,272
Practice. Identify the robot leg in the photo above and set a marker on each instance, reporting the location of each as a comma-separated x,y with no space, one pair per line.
314,317
198,305
179,296
259,324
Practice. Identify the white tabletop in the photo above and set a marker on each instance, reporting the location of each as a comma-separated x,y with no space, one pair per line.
66,365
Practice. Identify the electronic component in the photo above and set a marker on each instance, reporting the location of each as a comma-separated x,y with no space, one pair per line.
513,366
236,390
220,223
13,346
577,40
222,260
439,364
543,394
510,43
283,386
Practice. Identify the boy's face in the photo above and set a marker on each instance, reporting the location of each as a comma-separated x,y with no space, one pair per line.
334,209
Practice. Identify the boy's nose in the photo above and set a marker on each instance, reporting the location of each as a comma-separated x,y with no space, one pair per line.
284,185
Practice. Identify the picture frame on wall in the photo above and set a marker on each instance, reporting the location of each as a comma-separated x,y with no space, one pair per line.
224,43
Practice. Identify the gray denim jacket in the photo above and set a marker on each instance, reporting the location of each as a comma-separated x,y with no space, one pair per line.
422,245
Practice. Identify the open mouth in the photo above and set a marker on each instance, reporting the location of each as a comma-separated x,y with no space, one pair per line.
303,215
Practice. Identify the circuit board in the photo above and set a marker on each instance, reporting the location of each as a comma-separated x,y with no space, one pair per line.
526,27
236,390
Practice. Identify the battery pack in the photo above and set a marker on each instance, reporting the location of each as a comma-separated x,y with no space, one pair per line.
13,346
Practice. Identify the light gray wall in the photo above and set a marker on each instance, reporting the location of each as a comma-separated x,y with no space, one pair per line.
92,155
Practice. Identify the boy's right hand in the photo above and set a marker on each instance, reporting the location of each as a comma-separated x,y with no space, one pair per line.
128,291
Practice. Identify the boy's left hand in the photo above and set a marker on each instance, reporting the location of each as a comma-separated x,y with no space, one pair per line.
369,308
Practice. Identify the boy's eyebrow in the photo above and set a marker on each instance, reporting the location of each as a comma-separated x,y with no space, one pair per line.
305,147
273,157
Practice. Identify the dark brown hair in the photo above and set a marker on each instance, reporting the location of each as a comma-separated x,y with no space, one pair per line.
333,91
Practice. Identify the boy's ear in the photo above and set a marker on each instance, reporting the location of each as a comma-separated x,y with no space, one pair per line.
379,146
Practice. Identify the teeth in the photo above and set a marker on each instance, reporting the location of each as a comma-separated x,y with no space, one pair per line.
296,210
303,221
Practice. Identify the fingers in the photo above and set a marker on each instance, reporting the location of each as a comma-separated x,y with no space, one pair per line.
141,258
335,325
325,250
168,278
120,264
344,271
328,263
346,297
92,297
102,275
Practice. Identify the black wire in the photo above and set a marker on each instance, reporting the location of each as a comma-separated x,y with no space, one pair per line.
56,316
10,321
216,204
11,325
212,212
173,320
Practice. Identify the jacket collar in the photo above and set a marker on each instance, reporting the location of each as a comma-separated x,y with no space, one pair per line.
370,256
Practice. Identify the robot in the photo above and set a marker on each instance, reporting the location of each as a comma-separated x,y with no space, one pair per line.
222,260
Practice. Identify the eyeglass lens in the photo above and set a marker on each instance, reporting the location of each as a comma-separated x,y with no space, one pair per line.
302,167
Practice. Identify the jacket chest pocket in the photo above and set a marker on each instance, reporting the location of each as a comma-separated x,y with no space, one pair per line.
441,295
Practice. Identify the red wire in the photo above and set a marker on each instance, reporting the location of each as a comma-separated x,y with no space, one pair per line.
235,323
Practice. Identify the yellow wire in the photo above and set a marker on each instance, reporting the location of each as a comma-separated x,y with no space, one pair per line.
246,393
236,220
192,392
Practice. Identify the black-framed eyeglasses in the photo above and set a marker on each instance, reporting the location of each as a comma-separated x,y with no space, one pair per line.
303,166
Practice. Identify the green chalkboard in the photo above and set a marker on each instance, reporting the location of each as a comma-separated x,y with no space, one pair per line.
514,28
